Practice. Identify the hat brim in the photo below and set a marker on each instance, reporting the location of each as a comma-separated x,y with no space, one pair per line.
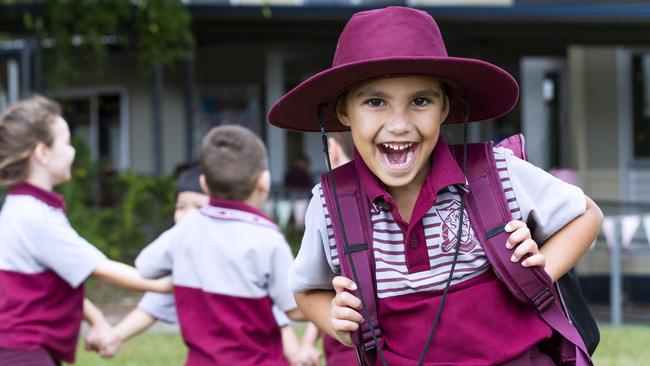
489,91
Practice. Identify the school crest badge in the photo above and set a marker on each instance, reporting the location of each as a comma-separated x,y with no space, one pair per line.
449,216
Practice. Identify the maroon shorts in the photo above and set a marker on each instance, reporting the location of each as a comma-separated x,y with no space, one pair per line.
24,357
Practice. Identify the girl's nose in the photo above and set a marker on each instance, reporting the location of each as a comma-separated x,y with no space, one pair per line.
399,123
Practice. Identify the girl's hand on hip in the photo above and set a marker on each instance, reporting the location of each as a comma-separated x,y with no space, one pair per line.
345,316
524,246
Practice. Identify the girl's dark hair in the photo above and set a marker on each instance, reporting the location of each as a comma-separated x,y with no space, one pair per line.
23,126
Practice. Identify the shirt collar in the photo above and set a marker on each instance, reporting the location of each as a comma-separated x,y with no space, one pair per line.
50,198
237,205
443,173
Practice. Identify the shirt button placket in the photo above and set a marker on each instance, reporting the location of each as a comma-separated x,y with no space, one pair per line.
414,242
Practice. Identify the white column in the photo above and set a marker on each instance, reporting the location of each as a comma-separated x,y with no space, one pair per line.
576,60
625,118
276,138
94,127
13,74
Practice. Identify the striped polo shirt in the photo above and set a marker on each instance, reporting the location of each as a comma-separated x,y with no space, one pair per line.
481,323
43,264
229,266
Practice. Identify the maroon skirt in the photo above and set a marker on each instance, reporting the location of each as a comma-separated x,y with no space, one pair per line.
26,357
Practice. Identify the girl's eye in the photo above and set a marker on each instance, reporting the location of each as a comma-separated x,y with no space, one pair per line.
421,101
375,102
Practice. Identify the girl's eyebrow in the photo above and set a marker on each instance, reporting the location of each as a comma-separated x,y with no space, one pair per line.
372,93
427,93
379,94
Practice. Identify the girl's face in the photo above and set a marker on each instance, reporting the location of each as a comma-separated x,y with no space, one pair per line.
61,153
188,201
395,124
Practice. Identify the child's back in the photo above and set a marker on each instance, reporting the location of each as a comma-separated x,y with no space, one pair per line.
225,262
42,263
229,265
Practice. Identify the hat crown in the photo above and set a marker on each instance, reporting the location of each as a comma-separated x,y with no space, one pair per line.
392,32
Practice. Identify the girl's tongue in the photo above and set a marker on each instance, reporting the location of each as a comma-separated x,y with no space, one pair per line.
397,156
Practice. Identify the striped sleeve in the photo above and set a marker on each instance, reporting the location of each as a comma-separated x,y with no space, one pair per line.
314,267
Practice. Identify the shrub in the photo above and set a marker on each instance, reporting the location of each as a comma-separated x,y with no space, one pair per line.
119,213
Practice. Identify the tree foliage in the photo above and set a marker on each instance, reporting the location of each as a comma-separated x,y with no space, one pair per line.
82,31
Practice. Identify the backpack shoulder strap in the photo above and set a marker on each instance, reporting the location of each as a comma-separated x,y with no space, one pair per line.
515,143
488,211
353,242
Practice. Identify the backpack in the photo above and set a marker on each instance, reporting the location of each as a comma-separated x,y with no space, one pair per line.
560,304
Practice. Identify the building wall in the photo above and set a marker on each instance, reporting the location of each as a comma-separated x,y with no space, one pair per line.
593,116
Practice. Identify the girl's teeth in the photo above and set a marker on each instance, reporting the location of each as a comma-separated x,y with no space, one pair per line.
397,147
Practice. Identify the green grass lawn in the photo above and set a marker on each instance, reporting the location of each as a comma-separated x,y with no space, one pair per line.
146,349
626,346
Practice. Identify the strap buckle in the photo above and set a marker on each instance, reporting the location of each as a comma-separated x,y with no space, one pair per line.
543,300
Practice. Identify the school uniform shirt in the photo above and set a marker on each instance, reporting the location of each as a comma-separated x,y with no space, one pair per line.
481,322
163,307
43,264
229,266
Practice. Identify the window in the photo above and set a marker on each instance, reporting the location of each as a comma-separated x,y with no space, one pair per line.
97,120
641,105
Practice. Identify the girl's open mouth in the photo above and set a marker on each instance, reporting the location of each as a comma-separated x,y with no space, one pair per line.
398,155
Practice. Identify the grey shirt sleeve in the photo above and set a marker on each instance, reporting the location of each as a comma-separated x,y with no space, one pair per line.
281,258
160,306
155,260
544,200
313,268
61,249
280,317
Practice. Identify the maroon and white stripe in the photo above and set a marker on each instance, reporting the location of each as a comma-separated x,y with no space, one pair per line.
499,156
392,275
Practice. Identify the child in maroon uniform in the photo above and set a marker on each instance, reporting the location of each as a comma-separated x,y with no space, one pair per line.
393,85
43,261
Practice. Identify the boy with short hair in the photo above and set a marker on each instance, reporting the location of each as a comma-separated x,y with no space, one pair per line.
228,261
190,197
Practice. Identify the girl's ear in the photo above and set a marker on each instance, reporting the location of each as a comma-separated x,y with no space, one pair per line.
41,154
204,184
342,113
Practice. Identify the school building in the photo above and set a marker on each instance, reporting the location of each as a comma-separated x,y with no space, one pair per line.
583,68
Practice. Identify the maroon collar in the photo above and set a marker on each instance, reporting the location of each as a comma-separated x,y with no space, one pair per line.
443,173
237,205
48,197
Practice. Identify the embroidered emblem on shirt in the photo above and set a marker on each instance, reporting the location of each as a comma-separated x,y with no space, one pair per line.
449,215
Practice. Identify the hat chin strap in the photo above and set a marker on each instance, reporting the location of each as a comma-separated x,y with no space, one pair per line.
364,308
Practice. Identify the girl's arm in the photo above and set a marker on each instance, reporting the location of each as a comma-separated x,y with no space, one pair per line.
136,322
290,345
309,355
99,330
123,275
311,335
334,312
296,314
564,248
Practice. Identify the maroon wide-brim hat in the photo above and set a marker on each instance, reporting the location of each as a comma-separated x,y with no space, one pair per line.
390,42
